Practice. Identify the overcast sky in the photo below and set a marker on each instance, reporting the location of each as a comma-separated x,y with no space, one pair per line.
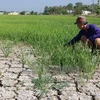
36,5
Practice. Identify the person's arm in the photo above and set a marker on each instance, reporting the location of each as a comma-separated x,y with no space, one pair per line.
74,40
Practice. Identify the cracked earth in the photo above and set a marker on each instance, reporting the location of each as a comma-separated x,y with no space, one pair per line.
16,82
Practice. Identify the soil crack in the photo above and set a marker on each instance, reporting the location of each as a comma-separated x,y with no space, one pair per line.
93,97
76,85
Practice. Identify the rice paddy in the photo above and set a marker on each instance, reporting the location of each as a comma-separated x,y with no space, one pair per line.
47,34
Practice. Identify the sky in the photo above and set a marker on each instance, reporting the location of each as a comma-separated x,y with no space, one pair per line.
37,5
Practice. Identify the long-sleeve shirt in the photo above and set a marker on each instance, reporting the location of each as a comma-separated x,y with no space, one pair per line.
91,33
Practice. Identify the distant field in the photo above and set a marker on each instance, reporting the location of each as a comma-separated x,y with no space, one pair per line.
27,28
32,29
47,33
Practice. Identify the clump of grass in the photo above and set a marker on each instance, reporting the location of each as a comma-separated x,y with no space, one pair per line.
40,68
44,82
6,47
24,53
84,60
78,59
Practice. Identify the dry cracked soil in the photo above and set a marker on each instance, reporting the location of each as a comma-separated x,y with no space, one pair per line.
16,82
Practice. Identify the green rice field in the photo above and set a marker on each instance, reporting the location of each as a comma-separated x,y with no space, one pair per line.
47,34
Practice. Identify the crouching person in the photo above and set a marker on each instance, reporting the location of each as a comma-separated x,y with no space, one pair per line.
89,34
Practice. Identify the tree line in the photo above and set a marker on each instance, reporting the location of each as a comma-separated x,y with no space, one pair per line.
64,10
71,9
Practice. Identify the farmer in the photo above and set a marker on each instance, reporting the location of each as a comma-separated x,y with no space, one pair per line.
89,34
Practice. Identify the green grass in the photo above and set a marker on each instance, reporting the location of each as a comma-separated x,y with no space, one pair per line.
48,34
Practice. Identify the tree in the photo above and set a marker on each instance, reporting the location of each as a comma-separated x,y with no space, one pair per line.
5,13
22,13
70,6
79,4
32,12
46,10
98,7
78,8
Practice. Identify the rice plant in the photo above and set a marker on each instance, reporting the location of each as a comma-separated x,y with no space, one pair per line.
6,47
24,53
48,34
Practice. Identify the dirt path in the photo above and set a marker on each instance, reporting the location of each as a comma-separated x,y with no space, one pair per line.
16,83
